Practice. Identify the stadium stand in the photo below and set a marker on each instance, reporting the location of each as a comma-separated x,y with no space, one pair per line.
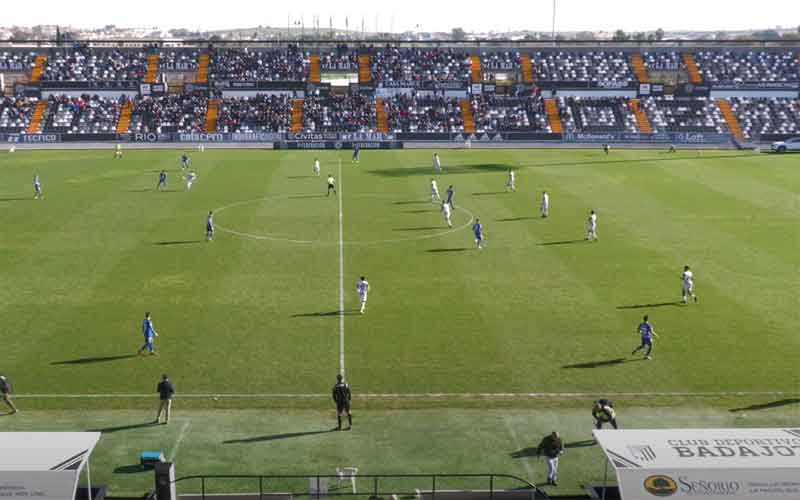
173,113
503,114
597,115
17,61
262,113
590,66
341,113
15,113
728,67
494,63
663,61
86,64
178,60
82,115
393,64
684,115
245,64
415,113
759,116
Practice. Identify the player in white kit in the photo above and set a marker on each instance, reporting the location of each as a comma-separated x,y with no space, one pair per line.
434,191
511,183
362,287
544,210
437,163
591,227
316,167
118,151
37,188
447,212
687,290
190,178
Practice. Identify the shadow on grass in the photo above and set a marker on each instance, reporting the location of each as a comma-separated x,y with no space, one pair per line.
515,219
420,211
447,250
530,451
656,304
99,359
489,193
295,196
580,444
275,437
598,364
16,199
564,242
182,242
326,314
426,228
410,202
300,176
132,469
767,406
118,428
450,170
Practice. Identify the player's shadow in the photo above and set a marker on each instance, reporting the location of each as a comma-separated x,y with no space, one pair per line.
425,228
580,444
118,428
326,314
300,176
132,469
98,359
178,242
489,193
564,242
598,364
410,202
447,250
143,190
449,170
275,437
16,199
656,304
515,219
307,196
420,211
767,406
530,451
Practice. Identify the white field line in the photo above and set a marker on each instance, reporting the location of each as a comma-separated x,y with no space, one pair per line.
429,395
178,441
341,275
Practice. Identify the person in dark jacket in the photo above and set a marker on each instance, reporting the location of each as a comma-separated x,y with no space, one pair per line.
551,447
165,392
604,413
5,391
341,396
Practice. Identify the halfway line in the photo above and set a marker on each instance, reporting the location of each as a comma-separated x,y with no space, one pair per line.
341,274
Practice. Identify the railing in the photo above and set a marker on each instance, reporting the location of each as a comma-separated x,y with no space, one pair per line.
424,484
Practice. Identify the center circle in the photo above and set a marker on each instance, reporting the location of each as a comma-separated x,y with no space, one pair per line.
282,199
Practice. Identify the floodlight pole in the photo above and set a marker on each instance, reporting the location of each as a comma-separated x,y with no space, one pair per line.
554,23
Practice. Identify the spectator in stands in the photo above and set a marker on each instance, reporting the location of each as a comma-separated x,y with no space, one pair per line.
165,391
552,447
5,390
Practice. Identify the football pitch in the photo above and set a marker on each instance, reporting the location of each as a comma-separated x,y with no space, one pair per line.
523,333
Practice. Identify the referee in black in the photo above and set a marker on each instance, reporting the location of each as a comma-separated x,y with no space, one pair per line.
341,396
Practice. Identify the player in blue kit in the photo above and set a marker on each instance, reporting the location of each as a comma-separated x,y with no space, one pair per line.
477,228
450,193
162,180
149,332
210,226
356,154
647,332
184,161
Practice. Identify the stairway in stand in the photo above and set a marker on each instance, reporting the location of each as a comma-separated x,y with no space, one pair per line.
124,122
527,69
466,114
475,68
364,71
38,68
553,116
315,72
691,69
381,116
297,116
152,68
212,113
642,121
202,68
730,118
639,69
35,126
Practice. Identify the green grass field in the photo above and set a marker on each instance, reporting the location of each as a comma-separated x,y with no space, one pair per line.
253,317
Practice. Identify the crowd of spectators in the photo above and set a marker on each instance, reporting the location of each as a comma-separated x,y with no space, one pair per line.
170,113
178,60
16,61
423,113
767,116
87,64
87,114
261,113
495,113
269,65
339,113
684,115
591,66
397,64
603,114
15,113
663,61
494,63
726,67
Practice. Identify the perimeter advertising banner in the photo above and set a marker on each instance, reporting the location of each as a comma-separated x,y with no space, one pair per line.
712,464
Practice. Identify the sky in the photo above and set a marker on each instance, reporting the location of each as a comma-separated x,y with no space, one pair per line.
421,15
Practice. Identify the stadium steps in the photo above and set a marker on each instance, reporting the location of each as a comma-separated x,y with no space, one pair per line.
212,113
527,69
38,68
730,118
466,114
691,68
152,68
124,122
642,121
475,68
203,63
381,116
639,69
297,115
364,72
315,71
35,126
553,116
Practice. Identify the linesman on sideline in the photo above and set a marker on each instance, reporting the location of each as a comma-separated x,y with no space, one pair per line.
341,396
165,392
603,413
5,391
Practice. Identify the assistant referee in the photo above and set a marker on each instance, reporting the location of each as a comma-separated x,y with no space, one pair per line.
341,396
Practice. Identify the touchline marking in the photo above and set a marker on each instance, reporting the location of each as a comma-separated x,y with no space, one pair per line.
341,275
178,441
431,395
